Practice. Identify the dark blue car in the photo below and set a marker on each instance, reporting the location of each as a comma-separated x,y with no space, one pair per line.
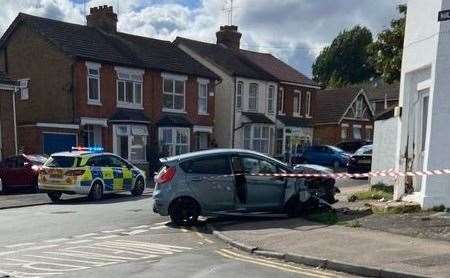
325,155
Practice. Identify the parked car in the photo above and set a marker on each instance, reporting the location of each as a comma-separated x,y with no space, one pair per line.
361,161
21,171
325,155
224,181
352,146
324,186
91,172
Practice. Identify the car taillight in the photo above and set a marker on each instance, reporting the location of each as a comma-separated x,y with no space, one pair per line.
42,171
165,175
73,173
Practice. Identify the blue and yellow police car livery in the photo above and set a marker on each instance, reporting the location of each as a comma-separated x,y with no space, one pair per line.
89,171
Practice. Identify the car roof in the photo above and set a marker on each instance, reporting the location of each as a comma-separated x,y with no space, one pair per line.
211,152
80,153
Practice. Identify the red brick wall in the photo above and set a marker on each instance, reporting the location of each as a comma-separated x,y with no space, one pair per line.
289,92
7,124
30,137
330,134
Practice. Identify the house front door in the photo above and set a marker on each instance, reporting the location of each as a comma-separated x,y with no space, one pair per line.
420,135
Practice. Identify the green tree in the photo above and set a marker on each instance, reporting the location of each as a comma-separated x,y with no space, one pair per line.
386,53
346,60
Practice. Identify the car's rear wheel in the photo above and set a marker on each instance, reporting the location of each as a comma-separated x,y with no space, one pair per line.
184,211
138,188
96,192
55,196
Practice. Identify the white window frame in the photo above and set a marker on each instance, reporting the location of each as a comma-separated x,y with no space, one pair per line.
202,82
250,141
93,66
297,108
134,76
281,97
308,104
255,97
129,131
173,78
353,132
271,100
239,93
174,143
346,128
369,130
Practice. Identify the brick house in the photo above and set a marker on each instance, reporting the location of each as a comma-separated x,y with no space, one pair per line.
342,115
92,85
382,96
246,103
7,138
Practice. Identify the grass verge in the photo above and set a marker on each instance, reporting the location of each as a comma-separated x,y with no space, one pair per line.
376,192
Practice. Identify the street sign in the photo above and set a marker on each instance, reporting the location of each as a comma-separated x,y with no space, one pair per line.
444,15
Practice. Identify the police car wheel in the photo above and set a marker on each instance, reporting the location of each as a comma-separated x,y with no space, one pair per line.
139,187
55,196
184,212
96,193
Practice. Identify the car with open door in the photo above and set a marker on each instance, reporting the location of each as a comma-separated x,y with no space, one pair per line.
21,171
226,181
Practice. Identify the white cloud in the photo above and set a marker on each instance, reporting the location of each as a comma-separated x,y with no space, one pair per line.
294,30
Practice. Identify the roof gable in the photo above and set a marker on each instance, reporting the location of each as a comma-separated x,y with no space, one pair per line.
227,59
117,48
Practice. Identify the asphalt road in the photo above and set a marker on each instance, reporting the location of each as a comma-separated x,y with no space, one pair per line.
121,237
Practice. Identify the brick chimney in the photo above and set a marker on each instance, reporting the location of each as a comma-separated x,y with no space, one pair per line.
104,18
229,36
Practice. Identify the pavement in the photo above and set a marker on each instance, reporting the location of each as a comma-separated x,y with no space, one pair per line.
121,237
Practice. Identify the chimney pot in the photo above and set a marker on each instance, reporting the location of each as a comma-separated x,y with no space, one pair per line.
103,17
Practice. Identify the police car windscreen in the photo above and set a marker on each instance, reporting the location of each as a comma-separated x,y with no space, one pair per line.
61,162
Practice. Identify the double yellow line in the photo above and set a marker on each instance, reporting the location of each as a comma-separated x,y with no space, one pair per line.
276,265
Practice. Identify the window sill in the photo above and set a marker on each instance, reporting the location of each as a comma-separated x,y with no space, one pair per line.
92,102
309,116
297,115
174,111
281,113
203,114
130,106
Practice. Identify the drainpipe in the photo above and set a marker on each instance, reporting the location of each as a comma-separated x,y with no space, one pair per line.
234,112
15,120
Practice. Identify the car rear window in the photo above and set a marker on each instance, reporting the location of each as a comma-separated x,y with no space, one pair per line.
209,166
37,159
61,162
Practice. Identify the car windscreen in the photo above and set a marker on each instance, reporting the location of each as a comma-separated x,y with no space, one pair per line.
336,149
364,150
37,159
61,162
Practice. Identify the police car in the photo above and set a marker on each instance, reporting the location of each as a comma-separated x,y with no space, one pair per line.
89,171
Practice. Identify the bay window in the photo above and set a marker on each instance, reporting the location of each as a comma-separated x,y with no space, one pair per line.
203,97
130,142
129,88
173,93
258,138
174,140
253,97
93,83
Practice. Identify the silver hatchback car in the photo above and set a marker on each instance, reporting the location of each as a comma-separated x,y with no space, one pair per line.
222,181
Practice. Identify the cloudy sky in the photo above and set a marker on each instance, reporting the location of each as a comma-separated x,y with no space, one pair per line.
293,30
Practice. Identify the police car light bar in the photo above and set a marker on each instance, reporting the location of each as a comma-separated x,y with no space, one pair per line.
88,149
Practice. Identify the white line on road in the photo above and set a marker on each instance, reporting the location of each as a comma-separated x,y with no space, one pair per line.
139,227
135,232
184,230
105,237
28,249
161,223
86,235
80,241
113,231
56,240
20,245
208,240
158,227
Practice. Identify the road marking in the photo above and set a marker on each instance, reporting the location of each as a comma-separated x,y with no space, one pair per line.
96,264
161,223
56,240
139,227
184,230
158,227
273,264
20,245
106,237
34,265
86,235
113,231
80,241
28,249
135,232
209,241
